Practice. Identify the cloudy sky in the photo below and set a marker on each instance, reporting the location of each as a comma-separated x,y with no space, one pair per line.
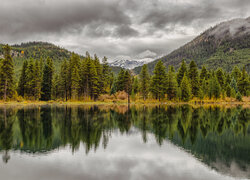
114,27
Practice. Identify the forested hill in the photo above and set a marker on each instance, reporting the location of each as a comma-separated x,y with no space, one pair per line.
224,45
37,50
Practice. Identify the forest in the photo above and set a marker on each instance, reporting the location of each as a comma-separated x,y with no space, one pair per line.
88,79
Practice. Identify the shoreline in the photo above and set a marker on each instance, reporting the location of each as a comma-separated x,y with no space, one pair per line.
210,103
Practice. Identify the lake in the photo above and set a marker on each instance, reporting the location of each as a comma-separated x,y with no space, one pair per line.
52,142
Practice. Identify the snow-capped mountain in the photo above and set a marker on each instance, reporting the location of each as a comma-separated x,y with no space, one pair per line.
128,62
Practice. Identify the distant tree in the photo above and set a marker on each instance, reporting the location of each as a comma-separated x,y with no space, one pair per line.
128,84
144,81
7,75
214,88
185,89
234,85
120,83
23,79
171,83
194,78
135,86
47,80
243,83
182,70
64,79
221,78
203,74
236,73
158,84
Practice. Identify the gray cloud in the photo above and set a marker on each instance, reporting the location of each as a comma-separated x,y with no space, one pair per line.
114,27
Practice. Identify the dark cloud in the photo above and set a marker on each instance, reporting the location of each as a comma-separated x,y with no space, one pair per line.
114,27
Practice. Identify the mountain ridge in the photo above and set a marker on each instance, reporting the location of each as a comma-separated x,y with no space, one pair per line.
224,45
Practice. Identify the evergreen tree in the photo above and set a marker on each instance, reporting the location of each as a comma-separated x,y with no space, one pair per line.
23,79
47,80
7,75
37,80
221,78
106,76
234,85
64,79
185,89
203,74
243,83
127,84
56,87
135,86
172,84
194,78
158,84
120,81
182,70
144,81
214,88
236,74
228,91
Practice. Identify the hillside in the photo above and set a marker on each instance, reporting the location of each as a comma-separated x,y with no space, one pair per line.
224,45
37,50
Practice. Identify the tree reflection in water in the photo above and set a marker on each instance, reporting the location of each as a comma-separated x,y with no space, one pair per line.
210,133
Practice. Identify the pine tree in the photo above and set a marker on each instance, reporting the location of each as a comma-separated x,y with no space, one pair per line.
185,89
23,79
243,83
234,85
93,81
171,83
220,78
214,88
56,87
6,75
120,81
127,84
135,86
228,91
158,84
144,81
203,74
236,74
47,80
37,80
182,70
106,76
194,78
64,79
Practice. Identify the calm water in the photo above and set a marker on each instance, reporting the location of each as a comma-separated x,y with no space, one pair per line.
117,142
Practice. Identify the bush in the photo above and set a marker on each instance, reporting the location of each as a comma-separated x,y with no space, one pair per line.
121,95
238,96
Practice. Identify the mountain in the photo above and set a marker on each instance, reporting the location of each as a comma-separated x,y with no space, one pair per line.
128,62
224,45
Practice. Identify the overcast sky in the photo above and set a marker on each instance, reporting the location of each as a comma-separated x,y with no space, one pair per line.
114,27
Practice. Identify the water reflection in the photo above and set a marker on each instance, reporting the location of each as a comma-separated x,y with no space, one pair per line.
217,136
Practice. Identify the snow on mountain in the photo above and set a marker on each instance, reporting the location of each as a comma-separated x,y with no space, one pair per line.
128,62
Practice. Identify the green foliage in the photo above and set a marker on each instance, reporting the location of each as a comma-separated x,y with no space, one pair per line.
243,83
171,84
194,78
144,82
182,70
238,96
46,90
7,87
158,84
185,89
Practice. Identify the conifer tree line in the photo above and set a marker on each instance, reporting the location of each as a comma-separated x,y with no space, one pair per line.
86,78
